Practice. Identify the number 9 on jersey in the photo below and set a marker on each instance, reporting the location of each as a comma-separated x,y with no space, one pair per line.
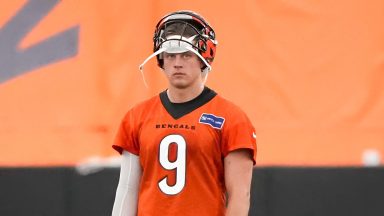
179,165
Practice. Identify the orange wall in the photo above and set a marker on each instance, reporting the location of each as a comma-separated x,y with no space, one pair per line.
309,74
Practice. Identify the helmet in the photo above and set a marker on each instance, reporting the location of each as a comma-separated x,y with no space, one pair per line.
183,31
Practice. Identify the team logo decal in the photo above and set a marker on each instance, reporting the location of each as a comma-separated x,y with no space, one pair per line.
210,119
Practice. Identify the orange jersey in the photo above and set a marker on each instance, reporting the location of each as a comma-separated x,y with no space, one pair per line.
182,149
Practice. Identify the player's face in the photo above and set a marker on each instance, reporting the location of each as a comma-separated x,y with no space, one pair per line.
183,69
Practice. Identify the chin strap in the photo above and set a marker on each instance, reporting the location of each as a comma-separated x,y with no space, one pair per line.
141,67
208,68
164,49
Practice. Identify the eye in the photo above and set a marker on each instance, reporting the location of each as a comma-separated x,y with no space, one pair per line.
187,55
169,55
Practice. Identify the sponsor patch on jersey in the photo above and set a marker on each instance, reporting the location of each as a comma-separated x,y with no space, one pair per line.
210,119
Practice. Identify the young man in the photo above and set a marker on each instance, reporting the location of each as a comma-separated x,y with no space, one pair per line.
187,148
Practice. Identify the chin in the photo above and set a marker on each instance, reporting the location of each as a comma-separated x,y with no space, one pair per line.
180,85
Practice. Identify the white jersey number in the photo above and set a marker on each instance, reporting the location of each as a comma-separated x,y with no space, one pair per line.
178,165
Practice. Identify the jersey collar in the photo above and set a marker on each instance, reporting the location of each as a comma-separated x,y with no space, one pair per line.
178,110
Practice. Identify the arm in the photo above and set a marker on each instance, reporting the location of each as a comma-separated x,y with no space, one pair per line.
238,166
128,187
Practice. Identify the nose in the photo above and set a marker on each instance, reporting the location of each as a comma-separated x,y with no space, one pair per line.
178,63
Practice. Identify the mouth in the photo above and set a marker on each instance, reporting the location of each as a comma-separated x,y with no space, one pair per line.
178,74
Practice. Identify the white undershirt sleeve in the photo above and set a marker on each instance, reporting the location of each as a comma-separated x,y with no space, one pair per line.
127,190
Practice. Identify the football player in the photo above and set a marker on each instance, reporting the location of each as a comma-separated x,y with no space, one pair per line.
186,151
